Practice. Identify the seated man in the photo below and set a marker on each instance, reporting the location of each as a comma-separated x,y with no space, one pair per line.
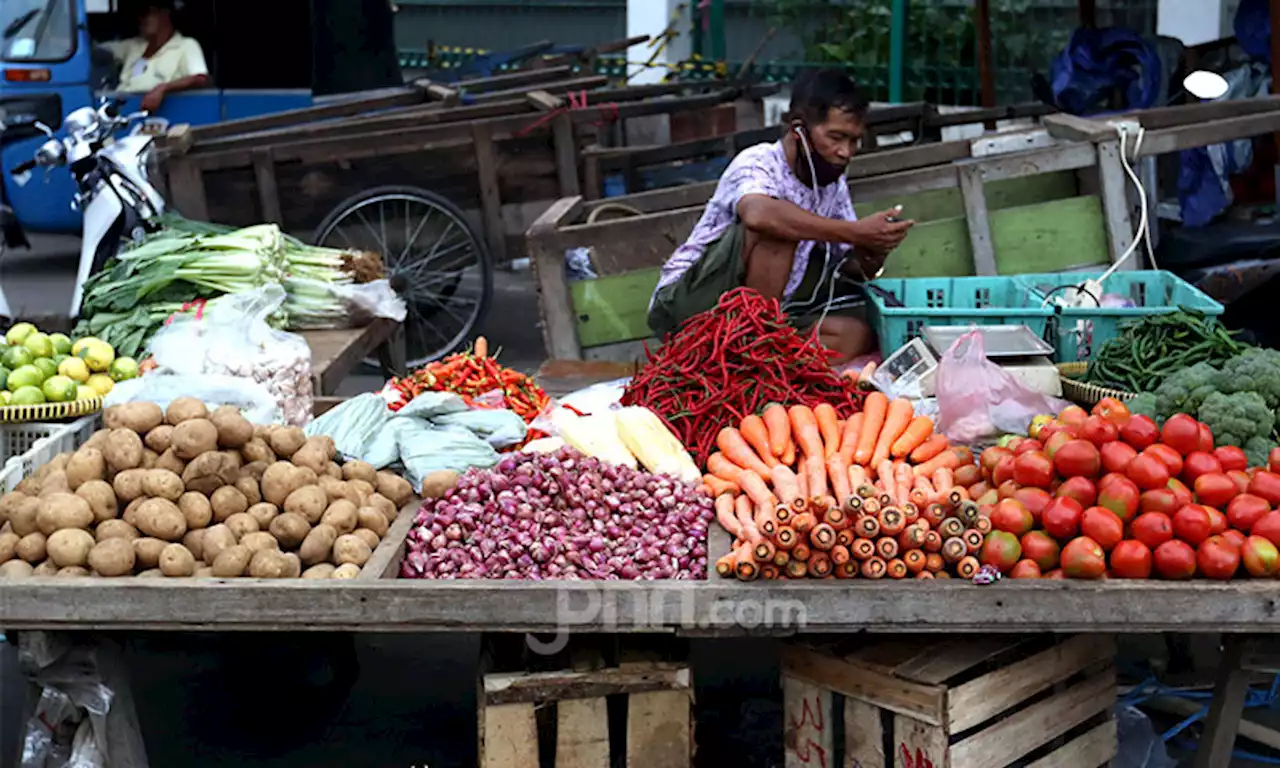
781,222
159,60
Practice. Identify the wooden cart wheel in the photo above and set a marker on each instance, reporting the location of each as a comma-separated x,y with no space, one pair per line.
434,259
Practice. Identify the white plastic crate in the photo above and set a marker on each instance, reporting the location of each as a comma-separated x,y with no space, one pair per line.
25,447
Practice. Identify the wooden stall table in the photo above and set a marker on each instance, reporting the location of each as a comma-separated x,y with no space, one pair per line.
336,353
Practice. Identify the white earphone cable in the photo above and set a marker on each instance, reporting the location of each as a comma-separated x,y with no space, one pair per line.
826,263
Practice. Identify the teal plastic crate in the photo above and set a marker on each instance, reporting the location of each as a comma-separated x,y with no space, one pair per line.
1077,332
953,301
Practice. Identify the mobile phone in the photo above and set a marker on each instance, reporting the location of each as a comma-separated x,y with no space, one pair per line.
895,217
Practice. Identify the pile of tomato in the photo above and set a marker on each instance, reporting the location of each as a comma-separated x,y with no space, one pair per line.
1108,494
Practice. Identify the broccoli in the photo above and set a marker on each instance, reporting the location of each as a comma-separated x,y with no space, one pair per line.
1184,390
1257,370
1258,449
1143,404
1236,418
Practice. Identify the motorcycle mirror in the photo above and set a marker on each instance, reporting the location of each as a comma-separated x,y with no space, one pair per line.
46,130
1206,85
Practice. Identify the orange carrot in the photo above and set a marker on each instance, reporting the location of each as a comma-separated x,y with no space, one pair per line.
864,376
785,484
849,436
929,448
874,409
804,426
719,486
755,489
838,471
779,426
745,513
857,477
788,456
725,514
943,479
919,430
947,459
735,449
766,520
816,468
481,347
884,473
756,434
902,481
828,428
722,468
802,483
896,419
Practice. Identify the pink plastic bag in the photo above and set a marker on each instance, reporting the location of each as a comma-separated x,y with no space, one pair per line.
978,399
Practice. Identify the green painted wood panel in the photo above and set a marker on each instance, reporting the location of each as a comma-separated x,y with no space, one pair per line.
613,309
936,204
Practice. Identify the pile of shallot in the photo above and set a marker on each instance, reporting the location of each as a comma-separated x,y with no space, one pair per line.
561,515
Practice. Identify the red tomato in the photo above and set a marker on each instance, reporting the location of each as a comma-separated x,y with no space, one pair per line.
1061,519
1267,485
1199,463
1112,410
1181,433
1215,489
1056,573
1217,521
1153,528
1073,416
1012,516
1083,558
1025,569
1110,478
1273,460
991,457
1192,524
1180,492
1034,499
1171,458
1246,510
1001,550
1241,479
1116,456
1033,469
1029,444
1231,457
1235,537
1260,557
1148,471
1007,489
1102,526
1099,431
1160,500
1003,470
1206,437
1081,489
1268,528
1121,497
1040,547
1218,558
1175,560
1131,560
1055,442
1140,432
1078,458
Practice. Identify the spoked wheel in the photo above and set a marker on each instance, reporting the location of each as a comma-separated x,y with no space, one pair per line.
433,258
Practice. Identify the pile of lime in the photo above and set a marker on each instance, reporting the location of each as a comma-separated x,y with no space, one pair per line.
37,367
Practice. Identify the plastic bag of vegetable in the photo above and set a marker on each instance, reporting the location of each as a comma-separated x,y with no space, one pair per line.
354,425
425,448
500,428
318,304
252,398
977,398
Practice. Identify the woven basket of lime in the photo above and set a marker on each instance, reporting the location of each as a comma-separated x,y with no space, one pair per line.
50,376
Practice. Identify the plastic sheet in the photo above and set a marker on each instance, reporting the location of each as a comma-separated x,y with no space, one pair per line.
363,303
234,339
978,399
1139,746
252,398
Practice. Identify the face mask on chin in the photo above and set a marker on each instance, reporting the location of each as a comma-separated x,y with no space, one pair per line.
827,173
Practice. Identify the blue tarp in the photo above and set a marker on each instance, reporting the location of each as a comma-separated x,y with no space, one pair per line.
1100,62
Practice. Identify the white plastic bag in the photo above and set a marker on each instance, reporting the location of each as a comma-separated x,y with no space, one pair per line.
257,404
233,338
977,398
362,302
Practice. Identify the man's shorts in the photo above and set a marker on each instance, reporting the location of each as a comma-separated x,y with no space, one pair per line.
721,269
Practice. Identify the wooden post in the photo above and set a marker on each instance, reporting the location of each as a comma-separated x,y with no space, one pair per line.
566,155
186,184
1229,691
1112,182
264,173
490,199
559,329
986,70
1088,13
975,213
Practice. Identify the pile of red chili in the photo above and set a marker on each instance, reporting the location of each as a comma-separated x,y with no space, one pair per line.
732,361
471,375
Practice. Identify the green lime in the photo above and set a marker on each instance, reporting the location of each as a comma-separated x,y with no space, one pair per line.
74,368
4,378
28,396
123,368
58,357
61,343
6,397
46,366
25,376
59,389
16,357
18,333
39,344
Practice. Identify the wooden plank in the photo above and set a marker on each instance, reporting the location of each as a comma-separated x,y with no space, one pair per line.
507,80
1088,750
613,308
658,730
1223,723
1064,157
979,225
887,655
977,701
441,93
1247,729
186,187
509,736
1073,128
917,744
546,254
398,97
907,158
386,559
335,353
1158,118
582,733
625,245
264,173
490,199
808,737
544,101
925,702
1164,141
566,149
1113,189
587,83
557,686
1038,724
937,668
864,735
1057,235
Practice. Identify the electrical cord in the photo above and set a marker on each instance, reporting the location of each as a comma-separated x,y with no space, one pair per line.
826,262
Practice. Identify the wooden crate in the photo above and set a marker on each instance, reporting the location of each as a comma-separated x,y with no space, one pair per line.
1040,701
563,718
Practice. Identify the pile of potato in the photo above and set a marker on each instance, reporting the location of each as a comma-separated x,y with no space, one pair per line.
186,492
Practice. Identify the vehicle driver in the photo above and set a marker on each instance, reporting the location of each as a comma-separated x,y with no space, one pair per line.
782,223
160,60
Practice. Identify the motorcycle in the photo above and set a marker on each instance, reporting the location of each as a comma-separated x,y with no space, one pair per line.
114,191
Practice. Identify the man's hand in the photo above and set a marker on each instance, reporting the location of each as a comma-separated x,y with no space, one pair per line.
154,98
878,234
